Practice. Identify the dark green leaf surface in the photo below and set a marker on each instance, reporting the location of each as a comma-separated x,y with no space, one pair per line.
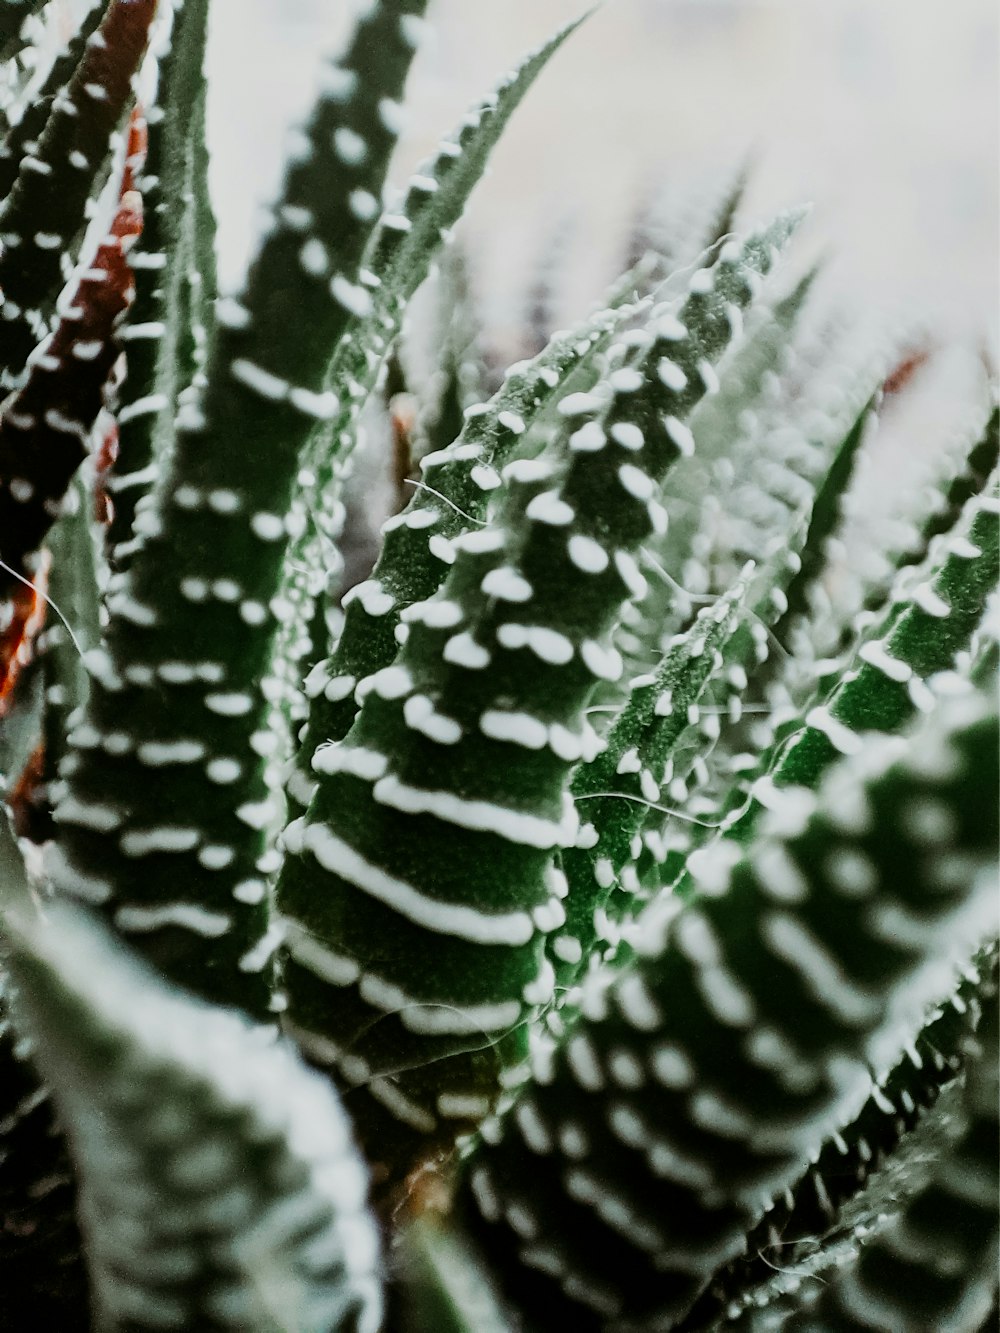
219,1188
40,220
188,801
698,1083
175,248
433,829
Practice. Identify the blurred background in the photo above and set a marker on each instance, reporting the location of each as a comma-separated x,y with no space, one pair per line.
882,112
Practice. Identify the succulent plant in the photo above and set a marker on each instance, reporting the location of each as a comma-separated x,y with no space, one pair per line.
517,940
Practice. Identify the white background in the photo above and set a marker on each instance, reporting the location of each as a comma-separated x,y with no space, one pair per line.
882,112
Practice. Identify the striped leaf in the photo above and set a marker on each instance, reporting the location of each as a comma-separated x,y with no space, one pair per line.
41,218
812,1215
45,425
219,1187
698,1083
449,766
615,788
933,618
20,137
187,800
934,1266
159,333
403,247
456,485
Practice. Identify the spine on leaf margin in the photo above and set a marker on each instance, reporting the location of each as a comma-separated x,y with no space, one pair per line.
218,1184
934,1265
620,782
698,1083
41,217
456,485
169,840
156,336
807,1216
396,261
932,618
449,766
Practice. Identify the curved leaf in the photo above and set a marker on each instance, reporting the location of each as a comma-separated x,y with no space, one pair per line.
219,1188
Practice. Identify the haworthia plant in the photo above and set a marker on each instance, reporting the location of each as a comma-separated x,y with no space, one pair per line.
450,763
933,1264
205,632
219,1185
397,260
159,326
535,935
695,1082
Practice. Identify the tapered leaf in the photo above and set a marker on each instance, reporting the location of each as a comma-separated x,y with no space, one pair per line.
45,425
59,649
396,262
186,800
823,520
173,253
698,1083
450,766
219,1187
40,219
453,497
933,618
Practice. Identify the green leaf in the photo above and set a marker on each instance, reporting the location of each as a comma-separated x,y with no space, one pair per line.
73,587
452,498
784,467
933,618
46,424
719,425
614,789
41,217
396,262
698,1083
874,549
449,766
937,611
968,475
190,803
823,520
935,1264
813,1213
25,131
173,256
218,1183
